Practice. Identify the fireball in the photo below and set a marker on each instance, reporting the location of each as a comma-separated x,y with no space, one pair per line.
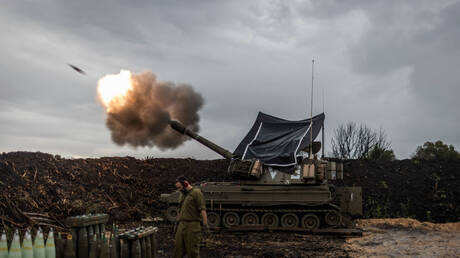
113,88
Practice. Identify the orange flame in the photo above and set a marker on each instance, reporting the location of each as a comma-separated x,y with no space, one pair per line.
112,89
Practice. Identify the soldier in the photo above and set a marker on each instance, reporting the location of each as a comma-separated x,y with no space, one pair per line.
192,208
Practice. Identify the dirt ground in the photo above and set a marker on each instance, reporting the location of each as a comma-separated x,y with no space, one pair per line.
128,189
405,238
381,238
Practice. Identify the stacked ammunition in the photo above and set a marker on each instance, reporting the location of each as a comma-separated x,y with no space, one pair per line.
87,235
28,248
88,239
138,243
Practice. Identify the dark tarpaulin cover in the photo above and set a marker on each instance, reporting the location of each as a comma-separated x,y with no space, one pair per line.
277,142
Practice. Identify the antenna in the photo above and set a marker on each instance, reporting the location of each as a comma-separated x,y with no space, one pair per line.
323,98
322,132
311,110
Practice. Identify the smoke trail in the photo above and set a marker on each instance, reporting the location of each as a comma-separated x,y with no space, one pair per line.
140,116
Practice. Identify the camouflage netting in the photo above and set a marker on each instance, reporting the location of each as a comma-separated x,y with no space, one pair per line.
129,189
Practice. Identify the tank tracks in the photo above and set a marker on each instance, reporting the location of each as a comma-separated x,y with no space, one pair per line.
309,219
321,231
320,221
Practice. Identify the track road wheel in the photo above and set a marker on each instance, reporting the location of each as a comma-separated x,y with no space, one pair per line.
270,219
289,220
213,219
230,219
333,218
172,213
250,219
310,221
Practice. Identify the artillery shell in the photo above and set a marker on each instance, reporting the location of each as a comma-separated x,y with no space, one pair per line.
112,249
69,251
27,249
93,251
50,247
125,249
99,247
39,245
116,240
104,253
15,249
96,231
136,249
82,243
153,244
148,247
142,241
3,246
90,232
59,242
74,241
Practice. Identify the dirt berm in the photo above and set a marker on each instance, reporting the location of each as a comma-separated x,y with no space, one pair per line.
129,189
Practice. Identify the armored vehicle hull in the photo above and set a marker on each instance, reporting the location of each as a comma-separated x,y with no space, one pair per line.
265,195
231,204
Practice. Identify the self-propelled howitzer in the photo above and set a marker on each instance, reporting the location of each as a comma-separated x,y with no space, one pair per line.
176,125
241,169
264,195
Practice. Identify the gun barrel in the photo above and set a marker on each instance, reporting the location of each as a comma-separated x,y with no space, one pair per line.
176,125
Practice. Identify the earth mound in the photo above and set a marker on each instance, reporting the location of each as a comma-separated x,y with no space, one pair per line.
129,189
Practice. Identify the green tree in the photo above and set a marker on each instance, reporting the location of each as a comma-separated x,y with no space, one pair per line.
436,151
378,153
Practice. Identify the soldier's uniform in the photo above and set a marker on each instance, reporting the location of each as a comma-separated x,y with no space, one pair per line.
188,234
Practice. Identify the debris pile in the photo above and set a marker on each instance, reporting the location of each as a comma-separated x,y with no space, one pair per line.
126,188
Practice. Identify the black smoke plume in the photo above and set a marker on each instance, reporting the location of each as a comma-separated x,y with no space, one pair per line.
143,117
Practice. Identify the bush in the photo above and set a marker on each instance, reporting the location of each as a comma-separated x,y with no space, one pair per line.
436,151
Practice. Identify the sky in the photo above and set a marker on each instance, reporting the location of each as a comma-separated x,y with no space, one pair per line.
386,64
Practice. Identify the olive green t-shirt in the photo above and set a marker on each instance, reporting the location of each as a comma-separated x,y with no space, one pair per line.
190,205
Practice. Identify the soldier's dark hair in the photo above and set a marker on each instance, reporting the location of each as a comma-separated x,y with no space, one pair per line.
181,179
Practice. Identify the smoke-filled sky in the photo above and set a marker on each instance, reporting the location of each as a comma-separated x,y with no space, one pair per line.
387,64
139,109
